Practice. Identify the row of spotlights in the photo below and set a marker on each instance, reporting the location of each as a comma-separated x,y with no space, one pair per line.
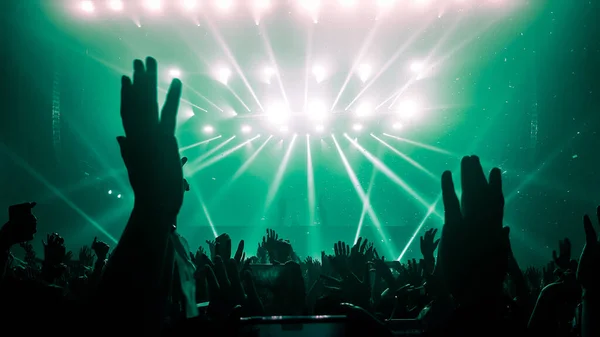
155,5
209,129
363,71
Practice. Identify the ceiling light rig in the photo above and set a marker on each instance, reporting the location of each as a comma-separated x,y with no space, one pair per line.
314,8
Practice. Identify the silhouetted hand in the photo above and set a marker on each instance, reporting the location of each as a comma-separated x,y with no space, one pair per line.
55,251
341,259
358,257
472,253
588,271
149,148
563,259
429,244
211,248
85,256
100,248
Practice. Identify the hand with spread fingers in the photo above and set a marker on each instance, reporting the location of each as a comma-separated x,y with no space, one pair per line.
149,147
472,255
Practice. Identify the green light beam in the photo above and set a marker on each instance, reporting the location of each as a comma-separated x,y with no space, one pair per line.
407,158
238,173
310,182
58,193
361,193
198,144
412,238
386,170
425,146
224,155
365,207
279,175
207,154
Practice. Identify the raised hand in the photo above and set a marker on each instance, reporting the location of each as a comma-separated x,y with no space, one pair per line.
341,259
85,256
100,248
428,243
149,148
55,251
358,257
211,247
588,271
563,258
473,251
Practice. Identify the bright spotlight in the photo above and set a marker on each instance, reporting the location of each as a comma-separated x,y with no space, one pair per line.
109,191
224,4
262,4
317,110
365,109
408,109
153,4
311,5
416,67
397,126
87,6
357,127
319,73
208,129
223,75
175,73
115,5
269,72
319,128
385,3
246,129
278,113
347,3
189,4
364,72
119,196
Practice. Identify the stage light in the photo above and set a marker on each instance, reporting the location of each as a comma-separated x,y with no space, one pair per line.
246,129
347,3
153,4
364,72
397,126
262,4
189,4
269,72
208,129
224,4
278,113
109,191
175,73
317,110
319,73
408,109
319,128
119,196
223,75
357,127
115,5
311,5
385,3
416,67
87,6
365,109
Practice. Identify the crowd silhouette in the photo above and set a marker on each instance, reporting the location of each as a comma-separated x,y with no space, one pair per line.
467,283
